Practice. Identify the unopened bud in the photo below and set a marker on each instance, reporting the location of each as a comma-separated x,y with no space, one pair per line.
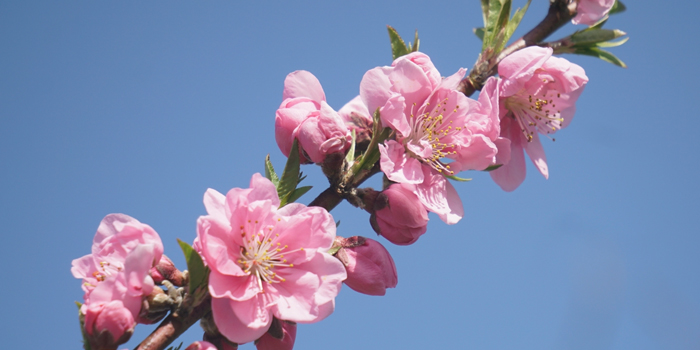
108,324
399,215
155,307
166,270
280,336
370,268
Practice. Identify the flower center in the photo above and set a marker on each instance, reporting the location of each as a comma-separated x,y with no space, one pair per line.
262,252
427,130
535,113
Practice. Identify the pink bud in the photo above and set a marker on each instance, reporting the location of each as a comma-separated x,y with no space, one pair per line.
166,270
370,268
399,215
286,342
108,324
201,345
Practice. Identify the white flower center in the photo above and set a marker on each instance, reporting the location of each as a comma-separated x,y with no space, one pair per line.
535,113
426,131
262,252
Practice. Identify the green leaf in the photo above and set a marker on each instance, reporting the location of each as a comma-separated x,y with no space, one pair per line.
500,39
334,250
372,154
199,274
416,43
617,8
494,11
493,167
602,54
613,43
485,11
457,178
398,46
337,223
290,175
595,35
296,194
515,21
81,320
479,32
175,348
350,156
270,173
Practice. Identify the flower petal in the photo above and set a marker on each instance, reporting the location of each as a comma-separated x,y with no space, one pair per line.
231,326
397,165
439,196
303,84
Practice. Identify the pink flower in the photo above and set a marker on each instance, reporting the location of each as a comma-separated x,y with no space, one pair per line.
108,324
370,268
266,261
591,11
123,253
201,345
268,342
305,115
399,215
433,121
538,93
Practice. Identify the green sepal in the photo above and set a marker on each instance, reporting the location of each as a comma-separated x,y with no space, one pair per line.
493,167
337,223
494,36
290,176
398,46
457,178
199,274
81,320
617,8
296,194
270,173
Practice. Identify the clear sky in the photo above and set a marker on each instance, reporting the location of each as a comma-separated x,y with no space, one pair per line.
140,106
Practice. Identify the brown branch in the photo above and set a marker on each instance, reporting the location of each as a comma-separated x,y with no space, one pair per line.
173,326
560,12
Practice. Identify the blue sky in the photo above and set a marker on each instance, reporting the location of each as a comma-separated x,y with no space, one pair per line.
139,107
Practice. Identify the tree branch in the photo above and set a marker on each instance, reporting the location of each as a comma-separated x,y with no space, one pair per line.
173,326
560,12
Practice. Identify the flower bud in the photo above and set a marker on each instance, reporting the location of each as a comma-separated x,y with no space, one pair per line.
201,345
166,270
399,215
108,324
280,336
370,268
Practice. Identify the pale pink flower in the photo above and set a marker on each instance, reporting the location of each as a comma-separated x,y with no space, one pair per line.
305,115
266,261
399,215
268,342
371,269
538,93
589,12
123,253
108,324
433,122
201,345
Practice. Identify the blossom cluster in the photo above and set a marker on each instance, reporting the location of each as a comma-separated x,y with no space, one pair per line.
268,263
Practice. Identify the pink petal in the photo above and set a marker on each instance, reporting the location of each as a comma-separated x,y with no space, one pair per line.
409,80
231,326
303,84
233,287
511,174
356,107
439,196
536,152
396,164
136,268
517,68
263,189
83,267
217,247
392,115
375,88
